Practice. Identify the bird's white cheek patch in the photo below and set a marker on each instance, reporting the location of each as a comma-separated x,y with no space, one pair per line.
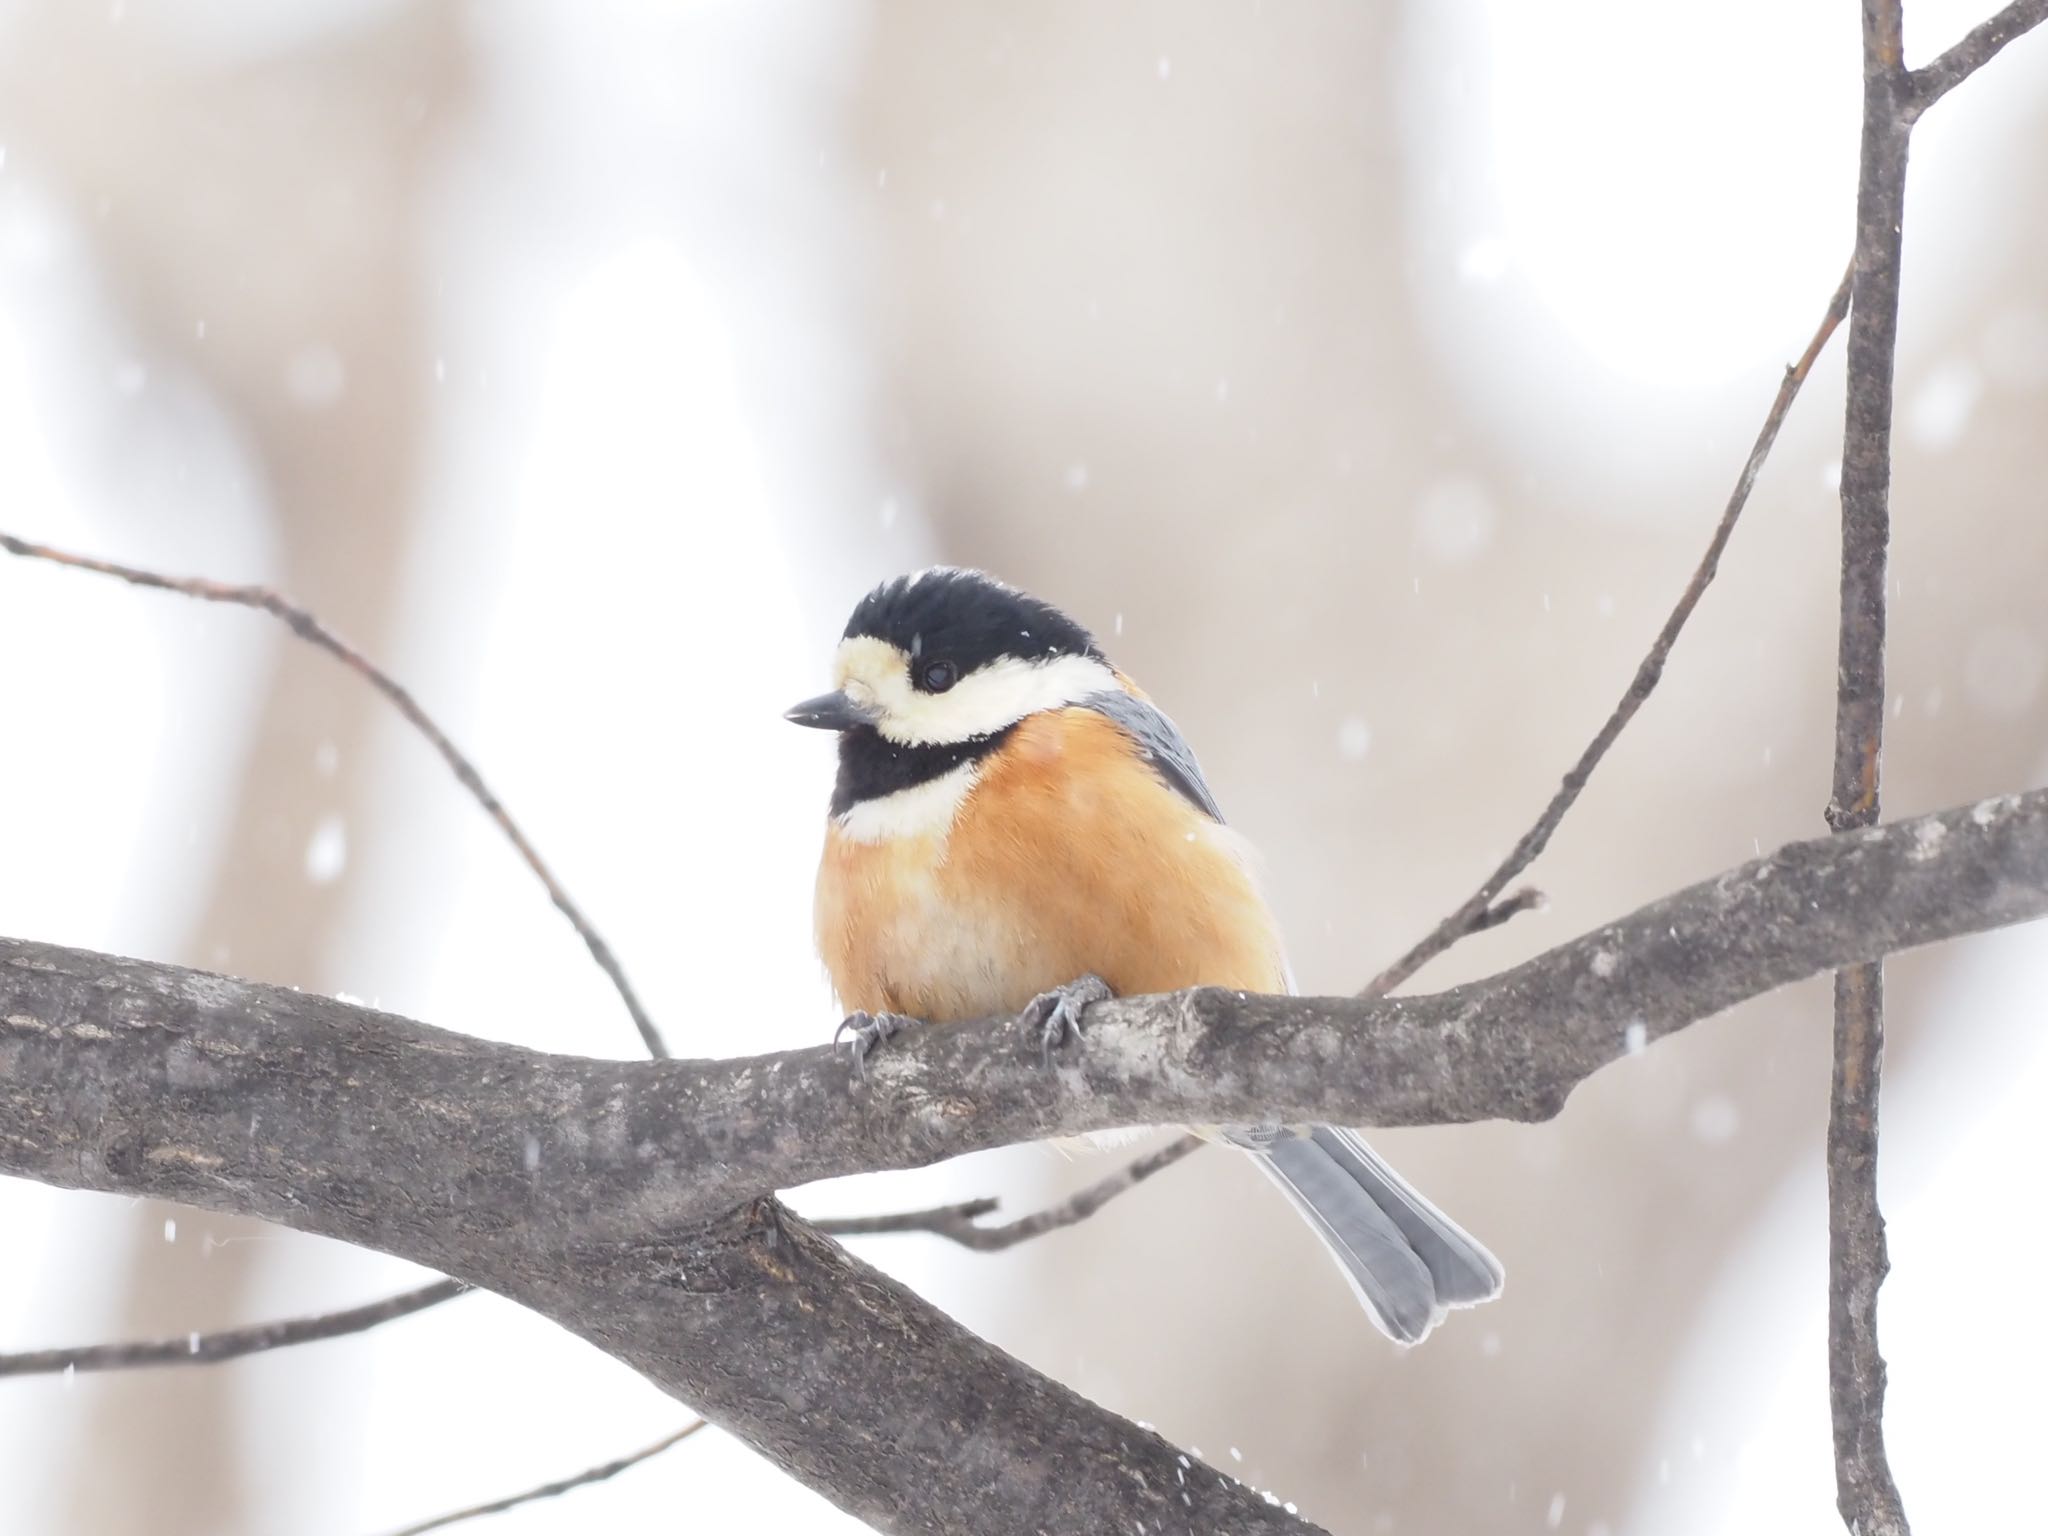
923,810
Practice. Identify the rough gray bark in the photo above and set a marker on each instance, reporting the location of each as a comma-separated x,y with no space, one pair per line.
1979,47
1867,1495
628,1200
1865,1492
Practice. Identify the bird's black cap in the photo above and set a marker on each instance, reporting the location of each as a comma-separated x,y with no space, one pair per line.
967,618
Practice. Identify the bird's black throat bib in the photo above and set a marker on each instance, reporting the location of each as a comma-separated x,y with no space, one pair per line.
872,766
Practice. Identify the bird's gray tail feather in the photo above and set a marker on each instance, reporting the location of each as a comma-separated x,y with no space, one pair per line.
1407,1261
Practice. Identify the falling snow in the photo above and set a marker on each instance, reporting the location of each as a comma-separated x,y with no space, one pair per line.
1454,520
1354,739
2003,670
315,377
327,851
2015,347
1485,261
1716,1119
1941,408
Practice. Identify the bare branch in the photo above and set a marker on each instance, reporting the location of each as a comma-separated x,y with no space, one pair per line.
596,1474
621,1198
1479,911
313,632
1980,45
1866,1493
211,1348
230,1343
629,1233
943,1220
447,1138
959,1223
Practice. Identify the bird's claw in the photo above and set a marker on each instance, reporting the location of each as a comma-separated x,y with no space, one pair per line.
1056,1015
866,1031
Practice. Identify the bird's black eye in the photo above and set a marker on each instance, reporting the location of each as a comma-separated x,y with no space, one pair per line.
938,676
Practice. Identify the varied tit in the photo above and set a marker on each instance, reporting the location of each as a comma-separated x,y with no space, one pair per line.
1015,827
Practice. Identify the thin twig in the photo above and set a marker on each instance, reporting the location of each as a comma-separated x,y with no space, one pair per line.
943,1220
550,1490
233,1343
955,1222
1479,911
1866,1494
1979,46
230,1343
310,629
958,1222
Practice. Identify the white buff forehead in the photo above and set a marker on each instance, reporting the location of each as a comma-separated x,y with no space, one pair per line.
876,674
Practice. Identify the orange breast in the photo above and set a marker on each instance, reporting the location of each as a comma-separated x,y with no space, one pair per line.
1069,855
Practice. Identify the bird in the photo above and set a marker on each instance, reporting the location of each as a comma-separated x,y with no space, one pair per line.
1015,828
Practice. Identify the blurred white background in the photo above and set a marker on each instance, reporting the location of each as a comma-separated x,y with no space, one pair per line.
1369,376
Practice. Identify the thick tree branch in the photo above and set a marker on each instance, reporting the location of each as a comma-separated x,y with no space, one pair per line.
620,1197
146,1078
1979,47
1484,909
310,629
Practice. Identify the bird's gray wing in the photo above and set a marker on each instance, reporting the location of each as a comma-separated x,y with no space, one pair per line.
1161,743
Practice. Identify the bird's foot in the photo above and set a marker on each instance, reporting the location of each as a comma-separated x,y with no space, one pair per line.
863,1031
1056,1015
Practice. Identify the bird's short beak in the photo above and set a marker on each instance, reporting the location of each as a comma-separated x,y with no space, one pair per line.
830,712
